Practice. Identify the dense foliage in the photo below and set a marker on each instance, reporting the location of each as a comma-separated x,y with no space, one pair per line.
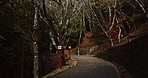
16,50
16,55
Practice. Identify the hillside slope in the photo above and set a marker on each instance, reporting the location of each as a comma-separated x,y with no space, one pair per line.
133,56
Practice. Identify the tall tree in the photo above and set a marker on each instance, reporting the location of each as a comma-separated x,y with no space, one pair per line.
35,39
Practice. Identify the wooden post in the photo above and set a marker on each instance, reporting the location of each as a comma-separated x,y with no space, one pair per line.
69,52
60,56
60,59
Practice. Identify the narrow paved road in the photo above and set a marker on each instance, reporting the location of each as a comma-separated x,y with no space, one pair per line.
89,67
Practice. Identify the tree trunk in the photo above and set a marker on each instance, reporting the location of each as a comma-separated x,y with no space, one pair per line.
22,71
35,39
111,42
79,42
119,35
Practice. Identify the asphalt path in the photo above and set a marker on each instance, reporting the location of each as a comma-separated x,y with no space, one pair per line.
89,67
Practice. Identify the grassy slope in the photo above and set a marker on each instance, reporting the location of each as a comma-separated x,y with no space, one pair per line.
133,56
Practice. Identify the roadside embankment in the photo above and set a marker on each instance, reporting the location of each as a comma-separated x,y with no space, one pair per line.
133,56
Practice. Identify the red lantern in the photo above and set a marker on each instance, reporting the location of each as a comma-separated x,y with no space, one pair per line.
59,47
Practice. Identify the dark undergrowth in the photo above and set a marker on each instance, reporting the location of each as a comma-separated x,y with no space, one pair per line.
133,56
